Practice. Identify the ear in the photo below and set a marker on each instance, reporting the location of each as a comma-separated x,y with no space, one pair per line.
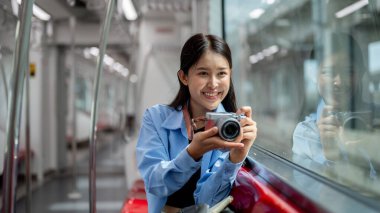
182,77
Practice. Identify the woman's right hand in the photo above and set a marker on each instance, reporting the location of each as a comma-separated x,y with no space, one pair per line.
328,130
209,140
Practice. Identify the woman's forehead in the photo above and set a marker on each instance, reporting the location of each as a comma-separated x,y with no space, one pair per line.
336,59
211,56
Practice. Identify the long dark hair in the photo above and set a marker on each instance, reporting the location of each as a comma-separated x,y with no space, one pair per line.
192,50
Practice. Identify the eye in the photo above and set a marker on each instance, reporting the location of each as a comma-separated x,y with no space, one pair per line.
327,73
223,73
203,73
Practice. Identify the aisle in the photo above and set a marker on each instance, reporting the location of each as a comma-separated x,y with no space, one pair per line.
111,189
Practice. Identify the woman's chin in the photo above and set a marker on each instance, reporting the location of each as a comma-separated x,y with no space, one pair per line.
212,107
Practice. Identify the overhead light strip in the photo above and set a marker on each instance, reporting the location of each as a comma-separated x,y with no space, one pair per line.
38,12
108,60
129,10
256,13
351,8
263,54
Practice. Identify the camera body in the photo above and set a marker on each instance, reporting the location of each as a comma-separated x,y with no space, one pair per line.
354,120
353,125
228,124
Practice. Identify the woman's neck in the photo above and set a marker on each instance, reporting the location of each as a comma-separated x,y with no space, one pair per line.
196,111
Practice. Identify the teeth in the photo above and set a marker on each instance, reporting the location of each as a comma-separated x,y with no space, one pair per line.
211,94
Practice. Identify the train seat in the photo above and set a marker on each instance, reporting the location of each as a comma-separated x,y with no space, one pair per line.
136,199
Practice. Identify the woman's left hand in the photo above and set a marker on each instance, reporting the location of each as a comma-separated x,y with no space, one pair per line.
249,130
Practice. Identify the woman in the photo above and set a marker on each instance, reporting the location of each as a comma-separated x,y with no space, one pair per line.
181,164
337,133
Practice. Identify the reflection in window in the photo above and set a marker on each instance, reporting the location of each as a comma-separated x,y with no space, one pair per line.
5,67
313,78
83,94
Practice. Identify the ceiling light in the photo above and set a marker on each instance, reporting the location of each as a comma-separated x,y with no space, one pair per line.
129,10
256,13
133,78
94,51
270,1
351,8
117,67
125,72
38,12
263,54
108,60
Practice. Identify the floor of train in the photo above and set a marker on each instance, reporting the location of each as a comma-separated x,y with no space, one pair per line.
59,194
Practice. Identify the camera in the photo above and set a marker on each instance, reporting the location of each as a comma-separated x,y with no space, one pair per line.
228,124
352,124
354,120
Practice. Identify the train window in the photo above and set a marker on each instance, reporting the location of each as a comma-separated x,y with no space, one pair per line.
5,71
309,70
83,94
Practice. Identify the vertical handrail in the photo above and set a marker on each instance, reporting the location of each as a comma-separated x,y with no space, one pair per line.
74,194
4,77
27,143
20,59
99,66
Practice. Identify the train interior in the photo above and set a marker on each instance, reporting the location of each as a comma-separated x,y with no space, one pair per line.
77,75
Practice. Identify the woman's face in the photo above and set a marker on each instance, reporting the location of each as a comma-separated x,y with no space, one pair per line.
336,83
208,81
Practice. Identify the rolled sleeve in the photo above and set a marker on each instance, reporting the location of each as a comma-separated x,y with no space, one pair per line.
230,170
185,162
217,181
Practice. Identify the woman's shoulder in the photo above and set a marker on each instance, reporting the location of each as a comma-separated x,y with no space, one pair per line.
159,111
161,108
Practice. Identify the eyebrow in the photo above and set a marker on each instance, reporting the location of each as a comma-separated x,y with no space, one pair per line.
206,68
202,68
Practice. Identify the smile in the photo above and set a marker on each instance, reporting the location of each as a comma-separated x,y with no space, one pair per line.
211,95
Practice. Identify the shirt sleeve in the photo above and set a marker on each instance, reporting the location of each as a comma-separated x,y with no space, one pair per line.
217,181
306,142
162,175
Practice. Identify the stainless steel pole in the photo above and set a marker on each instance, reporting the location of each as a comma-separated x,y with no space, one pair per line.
20,58
75,193
99,66
4,77
27,142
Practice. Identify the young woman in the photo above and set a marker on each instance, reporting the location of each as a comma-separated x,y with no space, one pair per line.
181,164
337,133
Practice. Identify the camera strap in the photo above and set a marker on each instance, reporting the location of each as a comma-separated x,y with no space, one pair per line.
189,127
191,124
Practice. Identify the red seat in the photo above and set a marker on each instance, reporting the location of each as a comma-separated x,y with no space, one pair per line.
136,199
253,194
133,205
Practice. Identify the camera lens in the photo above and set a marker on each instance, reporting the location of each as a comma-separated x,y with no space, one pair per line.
230,130
354,123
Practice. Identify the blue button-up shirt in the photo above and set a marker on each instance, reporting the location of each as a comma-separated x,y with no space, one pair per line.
166,166
306,139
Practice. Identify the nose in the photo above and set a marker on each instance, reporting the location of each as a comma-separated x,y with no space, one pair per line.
337,80
212,82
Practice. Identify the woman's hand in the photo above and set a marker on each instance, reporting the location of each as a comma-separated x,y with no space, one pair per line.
209,140
328,127
249,133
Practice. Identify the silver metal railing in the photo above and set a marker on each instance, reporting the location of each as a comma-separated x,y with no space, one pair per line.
20,61
99,66
4,77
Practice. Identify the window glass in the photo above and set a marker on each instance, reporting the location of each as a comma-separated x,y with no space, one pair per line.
83,95
5,71
311,73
